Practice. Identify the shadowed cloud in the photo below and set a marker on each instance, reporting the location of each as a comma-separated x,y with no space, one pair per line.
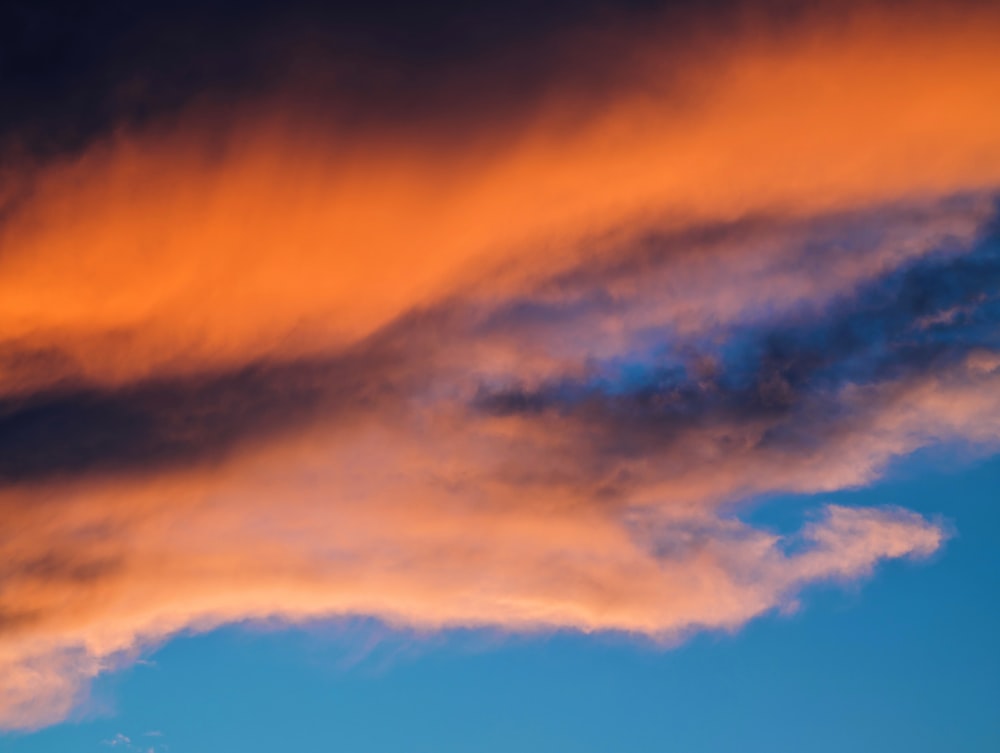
403,479
513,360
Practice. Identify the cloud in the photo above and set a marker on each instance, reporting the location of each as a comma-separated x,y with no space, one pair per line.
523,376
121,739
794,312
601,511
169,248
333,537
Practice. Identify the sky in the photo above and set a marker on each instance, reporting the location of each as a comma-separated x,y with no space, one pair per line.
536,376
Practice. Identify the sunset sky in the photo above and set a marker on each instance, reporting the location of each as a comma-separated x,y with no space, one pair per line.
499,376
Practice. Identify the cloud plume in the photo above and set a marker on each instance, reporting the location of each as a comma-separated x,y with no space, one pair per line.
518,372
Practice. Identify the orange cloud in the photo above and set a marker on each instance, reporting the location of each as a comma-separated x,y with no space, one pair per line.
416,522
164,250
153,263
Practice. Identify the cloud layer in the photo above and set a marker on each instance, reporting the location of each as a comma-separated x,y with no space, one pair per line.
520,372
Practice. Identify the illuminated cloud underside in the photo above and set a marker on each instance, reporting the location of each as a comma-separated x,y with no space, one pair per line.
521,379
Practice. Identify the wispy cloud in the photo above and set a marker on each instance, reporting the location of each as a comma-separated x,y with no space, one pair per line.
125,743
521,379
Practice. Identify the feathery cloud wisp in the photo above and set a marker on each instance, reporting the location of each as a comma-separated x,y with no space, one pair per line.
521,379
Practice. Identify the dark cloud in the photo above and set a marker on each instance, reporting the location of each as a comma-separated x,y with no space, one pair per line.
72,72
164,422
787,373
783,373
